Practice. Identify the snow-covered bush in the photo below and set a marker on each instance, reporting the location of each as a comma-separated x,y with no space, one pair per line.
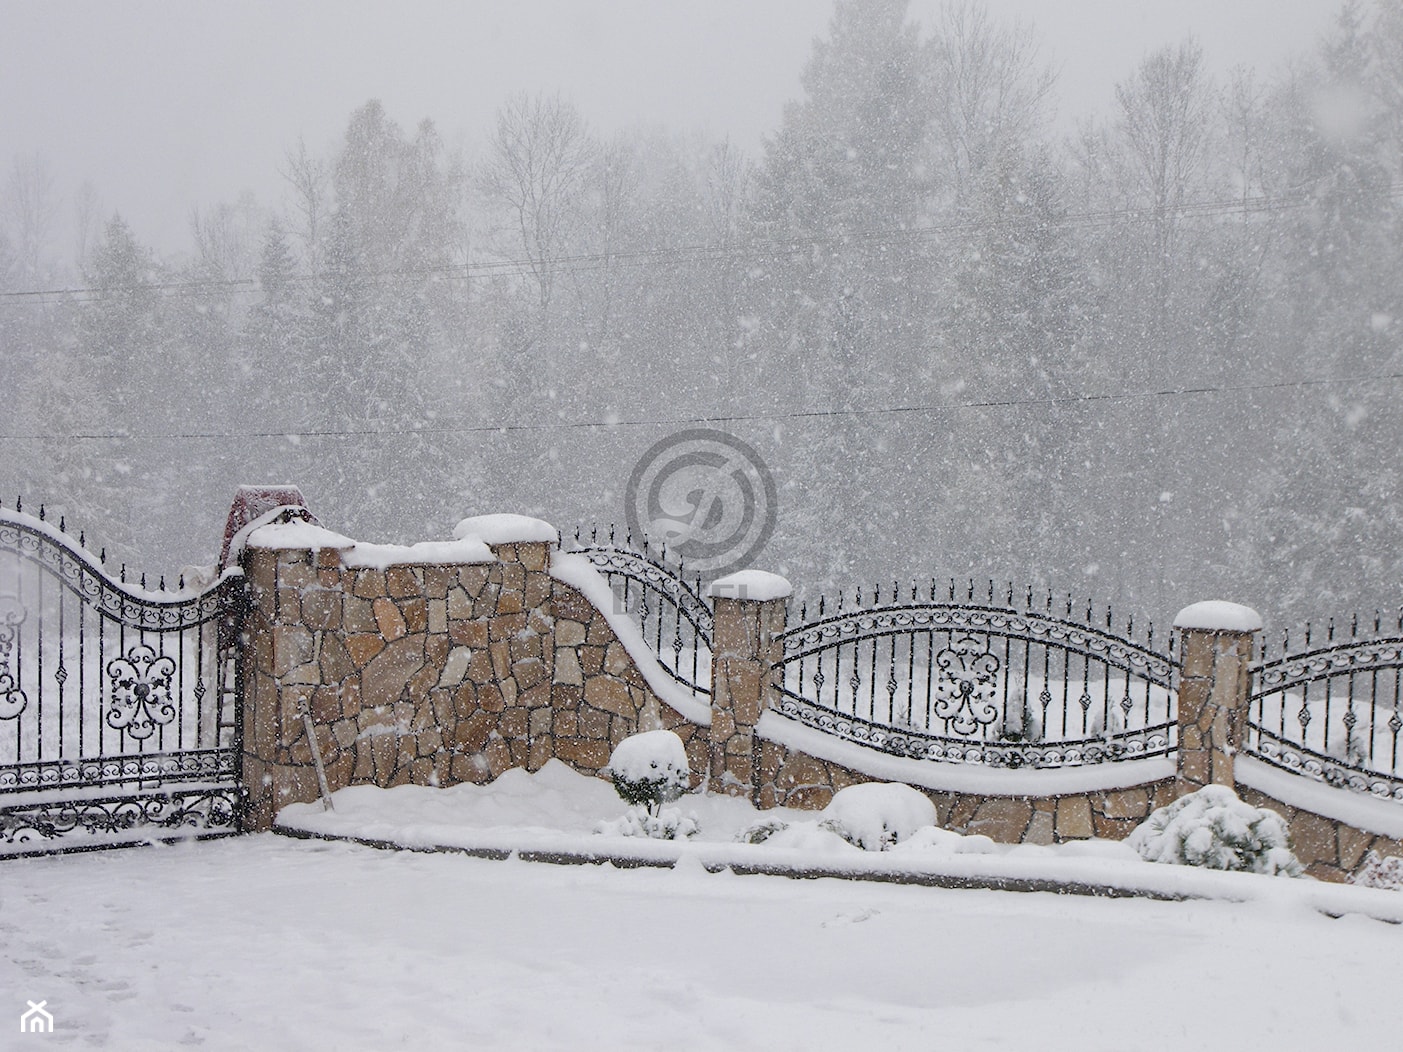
872,816
1380,871
668,824
649,770
761,831
1212,828
876,815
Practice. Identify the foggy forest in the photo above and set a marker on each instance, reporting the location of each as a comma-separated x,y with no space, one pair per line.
1151,361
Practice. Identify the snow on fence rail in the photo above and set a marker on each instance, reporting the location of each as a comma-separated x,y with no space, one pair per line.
1333,712
675,619
945,675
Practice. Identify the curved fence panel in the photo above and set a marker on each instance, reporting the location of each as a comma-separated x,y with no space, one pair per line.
117,704
1333,712
980,683
670,610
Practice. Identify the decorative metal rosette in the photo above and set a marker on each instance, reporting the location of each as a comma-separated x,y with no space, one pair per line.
1123,654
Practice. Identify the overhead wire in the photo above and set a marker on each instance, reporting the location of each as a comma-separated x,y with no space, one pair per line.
743,249
1083,398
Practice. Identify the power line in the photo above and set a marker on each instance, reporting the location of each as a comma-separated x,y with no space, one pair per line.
1086,398
697,253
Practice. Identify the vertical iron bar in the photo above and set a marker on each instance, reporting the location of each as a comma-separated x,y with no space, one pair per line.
64,678
39,667
930,671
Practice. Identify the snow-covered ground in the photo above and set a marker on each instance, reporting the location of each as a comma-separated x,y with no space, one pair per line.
265,942
270,942
558,813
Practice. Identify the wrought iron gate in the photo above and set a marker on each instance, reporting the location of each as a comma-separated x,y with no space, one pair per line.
118,704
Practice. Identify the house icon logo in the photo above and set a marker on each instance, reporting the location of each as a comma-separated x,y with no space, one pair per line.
36,1020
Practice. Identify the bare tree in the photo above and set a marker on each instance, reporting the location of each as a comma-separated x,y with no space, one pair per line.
87,220
993,90
31,207
541,153
226,238
308,177
1165,125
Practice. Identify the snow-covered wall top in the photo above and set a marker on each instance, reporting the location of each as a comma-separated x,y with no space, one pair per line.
756,585
579,573
306,535
1215,615
297,534
1370,813
505,529
962,778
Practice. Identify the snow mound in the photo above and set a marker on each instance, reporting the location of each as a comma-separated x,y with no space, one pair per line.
1212,828
505,529
424,553
1380,871
877,815
296,534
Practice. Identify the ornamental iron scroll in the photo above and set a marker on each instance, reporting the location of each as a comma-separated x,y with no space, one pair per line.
141,692
178,814
1117,652
916,745
12,699
658,578
1332,713
983,684
134,696
674,618
967,685
80,573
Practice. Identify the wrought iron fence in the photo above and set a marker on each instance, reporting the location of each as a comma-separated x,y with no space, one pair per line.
118,706
1330,709
670,609
989,678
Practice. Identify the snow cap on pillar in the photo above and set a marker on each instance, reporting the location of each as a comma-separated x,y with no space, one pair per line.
1215,615
505,529
755,585
253,506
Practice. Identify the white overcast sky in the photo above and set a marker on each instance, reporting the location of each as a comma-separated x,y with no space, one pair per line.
167,105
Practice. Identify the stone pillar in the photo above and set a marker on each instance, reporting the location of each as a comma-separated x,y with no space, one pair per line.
1215,653
294,601
749,609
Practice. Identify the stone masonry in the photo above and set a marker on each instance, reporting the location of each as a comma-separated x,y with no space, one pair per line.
433,674
428,674
1212,705
744,647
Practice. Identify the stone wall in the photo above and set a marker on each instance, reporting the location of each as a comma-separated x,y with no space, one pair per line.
428,674
1328,848
789,778
438,674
